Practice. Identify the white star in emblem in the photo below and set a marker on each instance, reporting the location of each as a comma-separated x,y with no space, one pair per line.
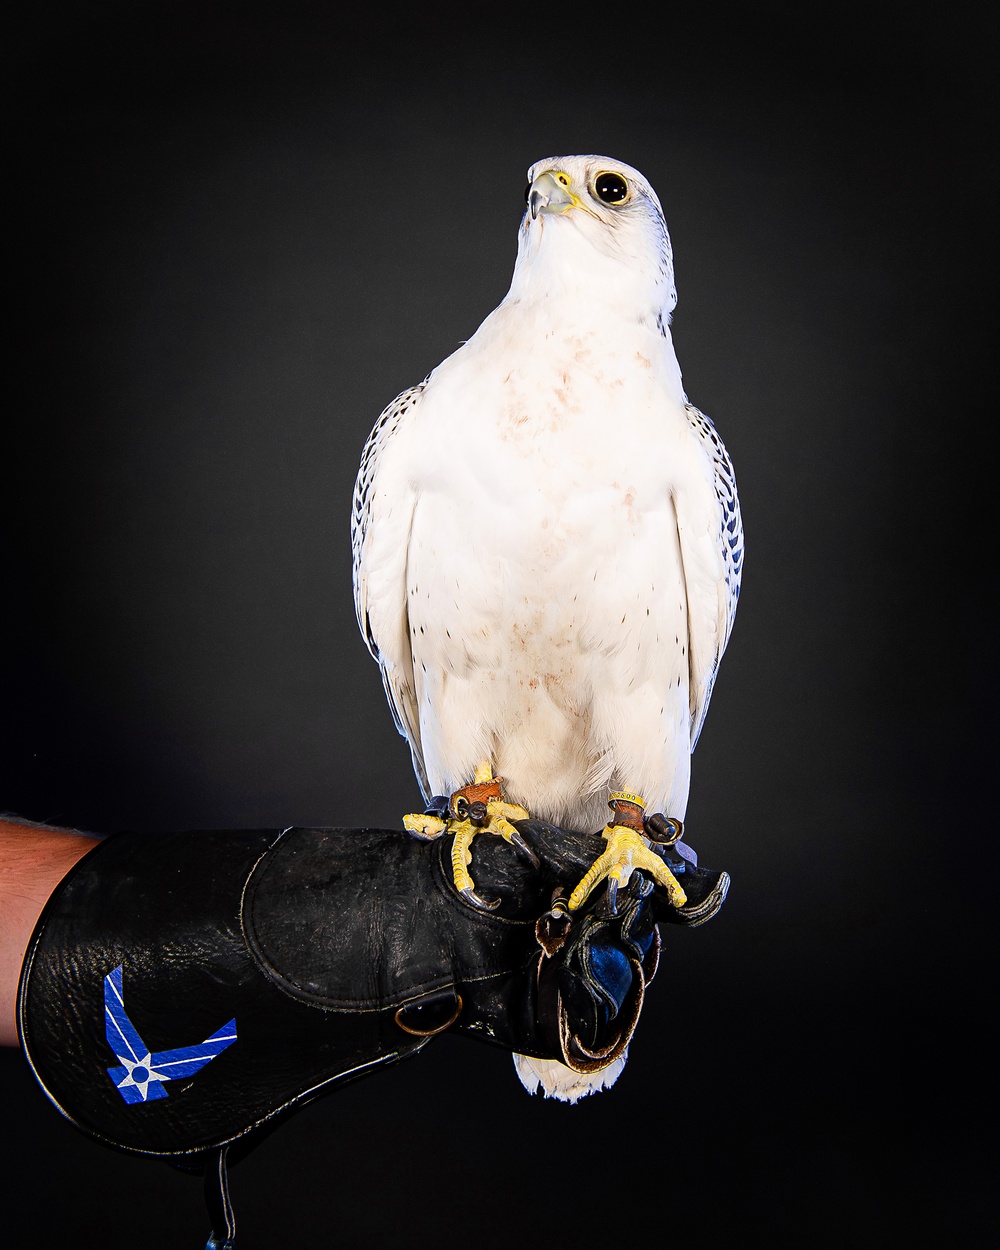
140,1074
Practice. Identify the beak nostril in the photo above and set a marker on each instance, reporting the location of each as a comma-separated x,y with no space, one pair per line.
550,193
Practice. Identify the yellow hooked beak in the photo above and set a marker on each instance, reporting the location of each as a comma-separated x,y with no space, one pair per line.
550,193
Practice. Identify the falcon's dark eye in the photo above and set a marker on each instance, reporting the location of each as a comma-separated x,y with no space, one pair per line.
611,188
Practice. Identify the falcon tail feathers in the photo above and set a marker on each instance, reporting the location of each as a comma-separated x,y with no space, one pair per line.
555,1080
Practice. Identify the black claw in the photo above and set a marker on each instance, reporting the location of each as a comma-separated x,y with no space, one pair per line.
483,904
613,895
525,849
640,885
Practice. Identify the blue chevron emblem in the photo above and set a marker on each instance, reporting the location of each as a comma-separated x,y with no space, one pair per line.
141,1076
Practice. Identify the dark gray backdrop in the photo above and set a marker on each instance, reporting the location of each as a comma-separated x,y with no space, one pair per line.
238,231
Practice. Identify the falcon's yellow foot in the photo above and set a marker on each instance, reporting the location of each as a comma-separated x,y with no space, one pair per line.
426,825
474,809
628,850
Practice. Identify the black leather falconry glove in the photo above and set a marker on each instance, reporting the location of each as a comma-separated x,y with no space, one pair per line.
184,992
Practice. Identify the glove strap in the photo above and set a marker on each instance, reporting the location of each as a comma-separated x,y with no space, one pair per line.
220,1207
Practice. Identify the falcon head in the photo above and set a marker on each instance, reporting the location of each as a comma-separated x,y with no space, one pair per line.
592,221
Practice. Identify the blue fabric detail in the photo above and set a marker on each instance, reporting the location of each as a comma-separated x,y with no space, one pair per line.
187,1060
611,970
122,1037
134,1092
141,1074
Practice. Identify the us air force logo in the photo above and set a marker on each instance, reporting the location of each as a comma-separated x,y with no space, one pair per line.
141,1076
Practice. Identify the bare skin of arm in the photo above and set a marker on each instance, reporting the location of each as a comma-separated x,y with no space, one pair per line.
33,860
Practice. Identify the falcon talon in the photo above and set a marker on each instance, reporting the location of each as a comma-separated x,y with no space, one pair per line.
519,844
470,896
627,853
640,886
477,808
424,826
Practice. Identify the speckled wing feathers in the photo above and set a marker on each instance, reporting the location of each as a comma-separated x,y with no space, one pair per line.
397,673
712,613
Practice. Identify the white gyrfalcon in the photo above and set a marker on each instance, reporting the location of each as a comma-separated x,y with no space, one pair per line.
548,546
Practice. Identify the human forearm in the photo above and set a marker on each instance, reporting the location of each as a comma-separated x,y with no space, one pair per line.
33,860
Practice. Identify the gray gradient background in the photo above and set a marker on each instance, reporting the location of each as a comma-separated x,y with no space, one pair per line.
239,230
